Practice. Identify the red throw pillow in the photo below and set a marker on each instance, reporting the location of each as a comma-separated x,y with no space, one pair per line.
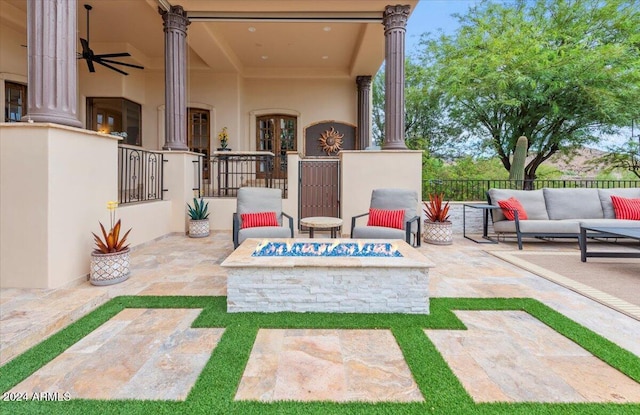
253,220
386,218
626,208
511,204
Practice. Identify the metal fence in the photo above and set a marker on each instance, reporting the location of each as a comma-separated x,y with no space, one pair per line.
140,175
469,190
221,175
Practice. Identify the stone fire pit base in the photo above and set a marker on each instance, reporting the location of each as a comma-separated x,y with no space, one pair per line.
327,284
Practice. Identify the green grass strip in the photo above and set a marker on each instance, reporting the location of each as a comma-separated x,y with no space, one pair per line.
215,388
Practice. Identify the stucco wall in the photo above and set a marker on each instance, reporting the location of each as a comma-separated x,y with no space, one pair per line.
13,57
53,193
55,182
363,171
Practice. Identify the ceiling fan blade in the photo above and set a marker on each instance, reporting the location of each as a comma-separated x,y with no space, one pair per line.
87,54
90,65
85,46
112,55
111,67
98,59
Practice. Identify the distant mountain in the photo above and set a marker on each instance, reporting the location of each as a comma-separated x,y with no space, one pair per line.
575,166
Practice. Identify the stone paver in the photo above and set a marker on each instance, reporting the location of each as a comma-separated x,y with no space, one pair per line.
511,356
138,354
334,365
177,265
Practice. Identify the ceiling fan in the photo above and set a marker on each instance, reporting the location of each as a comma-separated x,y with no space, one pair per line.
88,55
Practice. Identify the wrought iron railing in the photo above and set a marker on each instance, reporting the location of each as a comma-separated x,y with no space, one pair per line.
222,174
140,174
468,190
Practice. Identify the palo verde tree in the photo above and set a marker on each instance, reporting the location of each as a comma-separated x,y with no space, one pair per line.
560,72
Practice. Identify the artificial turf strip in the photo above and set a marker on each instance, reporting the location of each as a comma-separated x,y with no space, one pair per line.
216,386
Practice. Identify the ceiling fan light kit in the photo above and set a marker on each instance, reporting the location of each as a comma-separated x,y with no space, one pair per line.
102,59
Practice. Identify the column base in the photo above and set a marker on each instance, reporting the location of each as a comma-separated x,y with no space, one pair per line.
394,145
61,119
175,147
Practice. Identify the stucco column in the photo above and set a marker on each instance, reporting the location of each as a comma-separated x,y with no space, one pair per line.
364,111
52,70
394,19
175,77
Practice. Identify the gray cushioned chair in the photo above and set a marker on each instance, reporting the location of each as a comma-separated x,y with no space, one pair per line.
260,199
392,199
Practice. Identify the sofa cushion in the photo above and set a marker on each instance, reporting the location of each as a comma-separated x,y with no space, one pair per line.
568,226
622,223
573,203
386,218
264,232
508,206
531,200
626,208
393,199
605,198
258,219
260,199
378,232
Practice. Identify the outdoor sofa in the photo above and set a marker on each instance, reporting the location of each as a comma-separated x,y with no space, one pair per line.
558,213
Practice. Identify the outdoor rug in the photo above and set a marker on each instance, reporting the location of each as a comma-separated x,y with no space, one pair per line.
614,282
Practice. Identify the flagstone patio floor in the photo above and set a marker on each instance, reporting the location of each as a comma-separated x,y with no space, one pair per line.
154,354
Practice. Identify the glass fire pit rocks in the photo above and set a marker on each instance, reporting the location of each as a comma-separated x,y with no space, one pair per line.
330,249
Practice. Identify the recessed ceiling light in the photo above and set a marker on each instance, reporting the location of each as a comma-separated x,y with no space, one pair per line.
264,57
251,29
327,28
325,57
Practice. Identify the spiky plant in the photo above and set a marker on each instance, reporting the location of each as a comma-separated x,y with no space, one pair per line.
436,209
199,209
111,242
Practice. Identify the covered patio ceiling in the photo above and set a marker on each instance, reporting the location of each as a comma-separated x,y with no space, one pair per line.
254,38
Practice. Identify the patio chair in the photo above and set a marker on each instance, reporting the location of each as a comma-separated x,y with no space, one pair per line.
383,203
259,215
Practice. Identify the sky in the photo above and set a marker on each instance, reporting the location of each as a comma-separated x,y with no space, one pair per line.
431,15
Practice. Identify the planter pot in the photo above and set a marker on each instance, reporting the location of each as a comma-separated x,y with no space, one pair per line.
107,269
198,228
438,233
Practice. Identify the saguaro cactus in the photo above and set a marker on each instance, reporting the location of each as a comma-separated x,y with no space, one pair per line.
516,172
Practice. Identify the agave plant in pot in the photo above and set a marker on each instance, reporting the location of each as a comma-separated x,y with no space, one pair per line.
199,222
438,229
110,260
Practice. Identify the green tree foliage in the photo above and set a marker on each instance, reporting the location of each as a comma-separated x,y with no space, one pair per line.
625,157
426,125
463,168
557,71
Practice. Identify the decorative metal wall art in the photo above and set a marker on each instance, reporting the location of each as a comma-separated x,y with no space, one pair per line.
331,141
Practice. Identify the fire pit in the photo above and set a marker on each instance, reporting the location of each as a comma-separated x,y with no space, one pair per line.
302,275
334,249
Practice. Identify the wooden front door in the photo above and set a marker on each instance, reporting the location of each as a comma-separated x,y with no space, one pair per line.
277,134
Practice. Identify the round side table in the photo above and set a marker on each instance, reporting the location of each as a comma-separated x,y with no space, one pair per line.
322,222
